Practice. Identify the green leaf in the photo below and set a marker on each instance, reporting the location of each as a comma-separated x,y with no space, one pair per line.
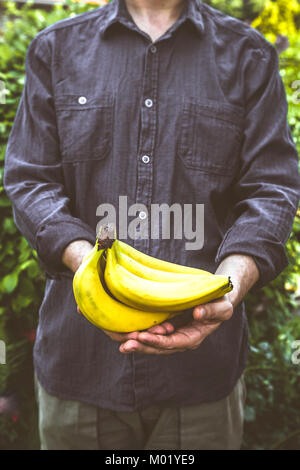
9,226
9,282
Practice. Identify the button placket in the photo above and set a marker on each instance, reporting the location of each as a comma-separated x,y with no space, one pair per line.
146,146
148,129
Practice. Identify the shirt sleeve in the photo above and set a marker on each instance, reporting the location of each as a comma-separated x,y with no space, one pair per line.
266,190
33,177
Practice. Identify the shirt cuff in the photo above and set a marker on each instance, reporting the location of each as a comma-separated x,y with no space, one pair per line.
51,240
268,252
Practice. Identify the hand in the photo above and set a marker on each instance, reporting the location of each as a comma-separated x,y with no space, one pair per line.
206,319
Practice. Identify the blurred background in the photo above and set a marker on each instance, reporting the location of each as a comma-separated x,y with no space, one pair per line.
273,372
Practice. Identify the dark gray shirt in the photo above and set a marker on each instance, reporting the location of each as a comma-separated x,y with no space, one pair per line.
207,106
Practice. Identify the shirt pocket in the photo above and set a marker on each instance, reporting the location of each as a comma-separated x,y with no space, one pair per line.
210,136
84,126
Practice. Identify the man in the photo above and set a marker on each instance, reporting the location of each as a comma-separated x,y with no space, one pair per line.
161,102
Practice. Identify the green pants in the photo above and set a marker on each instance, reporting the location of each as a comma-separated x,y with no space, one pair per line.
72,425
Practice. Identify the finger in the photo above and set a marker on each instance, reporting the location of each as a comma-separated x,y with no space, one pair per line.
137,347
120,337
164,328
188,337
158,330
171,342
78,310
219,310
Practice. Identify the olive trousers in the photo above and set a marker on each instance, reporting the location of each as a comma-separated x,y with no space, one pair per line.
73,425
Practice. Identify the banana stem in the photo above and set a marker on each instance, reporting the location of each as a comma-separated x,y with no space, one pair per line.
105,239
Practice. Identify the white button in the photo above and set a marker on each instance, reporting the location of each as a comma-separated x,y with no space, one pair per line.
146,159
153,49
148,103
142,215
82,100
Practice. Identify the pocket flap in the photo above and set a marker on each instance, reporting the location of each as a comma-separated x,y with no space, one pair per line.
226,112
84,126
82,101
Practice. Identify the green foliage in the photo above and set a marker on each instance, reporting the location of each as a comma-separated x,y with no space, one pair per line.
290,66
273,381
241,9
280,17
21,279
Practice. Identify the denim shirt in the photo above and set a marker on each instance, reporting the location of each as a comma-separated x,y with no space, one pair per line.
206,105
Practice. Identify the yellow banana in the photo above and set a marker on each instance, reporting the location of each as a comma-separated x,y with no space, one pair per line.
154,263
144,271
174,296
102,309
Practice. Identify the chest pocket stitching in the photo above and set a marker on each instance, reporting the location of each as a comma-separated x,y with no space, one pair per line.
85,130
222,117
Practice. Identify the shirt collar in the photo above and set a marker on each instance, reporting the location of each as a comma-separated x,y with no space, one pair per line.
118,13
193,13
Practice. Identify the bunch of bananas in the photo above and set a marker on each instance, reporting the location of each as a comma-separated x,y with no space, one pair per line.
121,289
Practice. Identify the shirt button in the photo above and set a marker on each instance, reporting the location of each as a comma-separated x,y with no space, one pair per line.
148,103
145,159
142,215
153,49
82,100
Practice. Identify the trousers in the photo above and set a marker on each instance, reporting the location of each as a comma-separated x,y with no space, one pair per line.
73,425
